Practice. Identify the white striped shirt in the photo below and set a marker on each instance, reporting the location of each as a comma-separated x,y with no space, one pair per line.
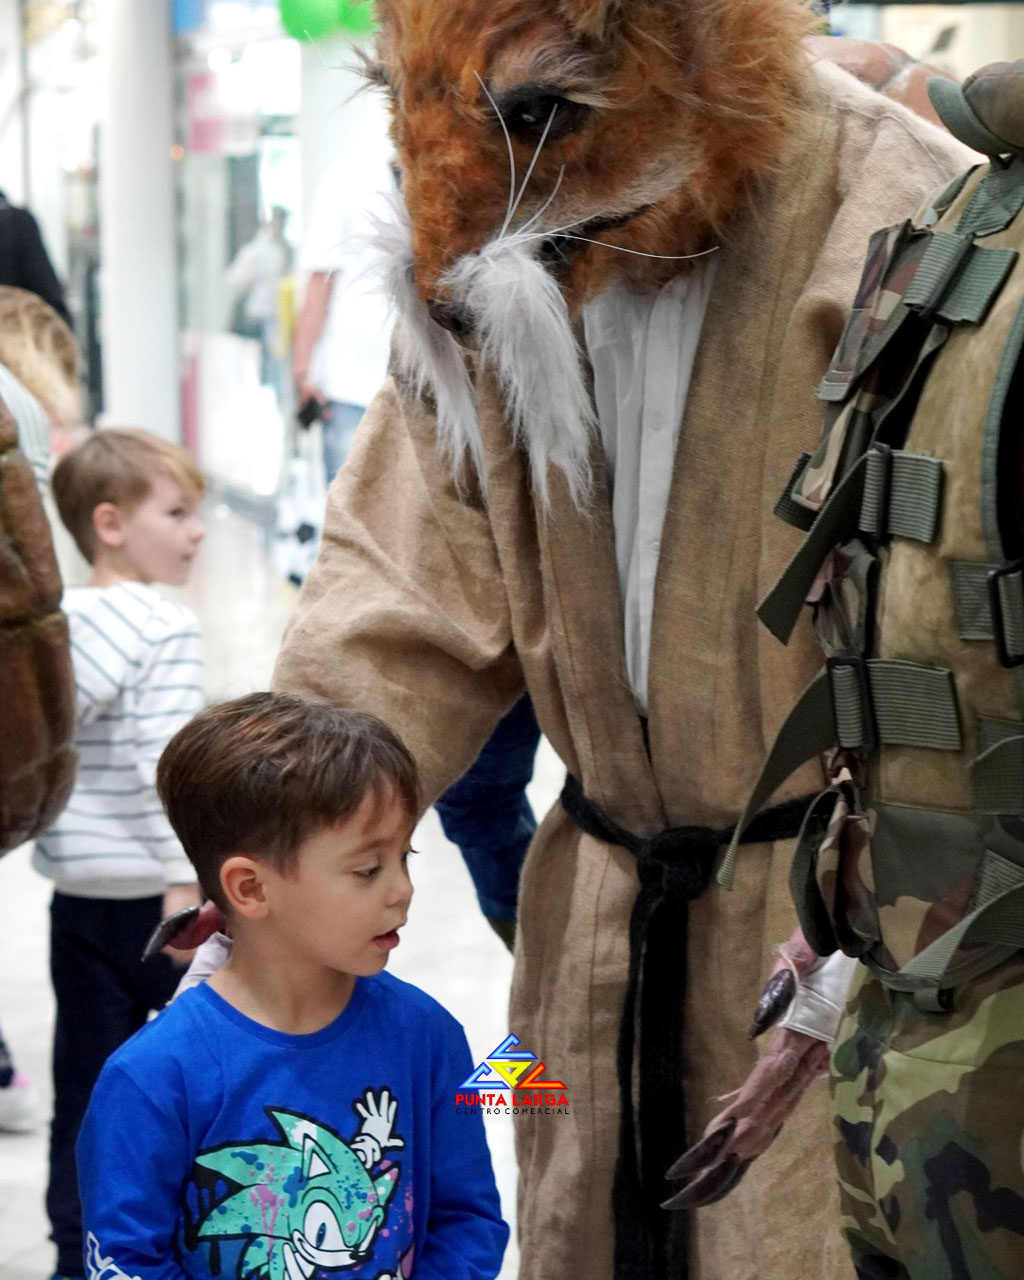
138,674
33,424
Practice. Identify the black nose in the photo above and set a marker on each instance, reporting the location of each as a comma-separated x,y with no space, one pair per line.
451,316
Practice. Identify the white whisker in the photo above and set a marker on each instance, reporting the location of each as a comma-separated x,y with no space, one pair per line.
536,157
541,211
667,257
511,154
562,233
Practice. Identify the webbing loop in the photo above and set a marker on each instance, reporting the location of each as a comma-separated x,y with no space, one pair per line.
856,704
945,254
1006,599
886,493
989,601
998,918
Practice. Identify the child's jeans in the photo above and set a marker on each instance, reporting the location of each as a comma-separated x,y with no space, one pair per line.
338,428
486,813
104,995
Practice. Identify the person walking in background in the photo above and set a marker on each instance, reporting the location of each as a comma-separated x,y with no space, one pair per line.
340,348
130,501
254,283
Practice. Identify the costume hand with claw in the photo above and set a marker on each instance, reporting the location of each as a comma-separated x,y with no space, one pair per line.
202,930
749,1124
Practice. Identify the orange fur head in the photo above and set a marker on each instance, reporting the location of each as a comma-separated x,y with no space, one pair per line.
660,115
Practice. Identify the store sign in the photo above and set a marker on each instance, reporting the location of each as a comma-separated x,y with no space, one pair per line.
205,119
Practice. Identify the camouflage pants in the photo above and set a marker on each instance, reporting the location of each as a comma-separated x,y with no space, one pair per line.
928,1116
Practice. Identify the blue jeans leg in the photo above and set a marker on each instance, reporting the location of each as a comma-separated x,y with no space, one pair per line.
338,426
486,813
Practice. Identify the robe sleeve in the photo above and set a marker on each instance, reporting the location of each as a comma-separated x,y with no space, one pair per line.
405,613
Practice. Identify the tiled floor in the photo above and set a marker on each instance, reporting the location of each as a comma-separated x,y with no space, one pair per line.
447,948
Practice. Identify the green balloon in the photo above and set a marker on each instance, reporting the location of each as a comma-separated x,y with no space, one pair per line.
355,16
309,19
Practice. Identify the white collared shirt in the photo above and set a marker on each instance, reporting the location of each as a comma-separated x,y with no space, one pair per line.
642,347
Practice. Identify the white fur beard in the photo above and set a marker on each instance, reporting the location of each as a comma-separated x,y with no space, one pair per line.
524,337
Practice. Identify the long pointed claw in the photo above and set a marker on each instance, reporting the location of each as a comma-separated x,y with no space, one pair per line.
168,930
775,1000
734,1181
185,929
710,1186
704,1152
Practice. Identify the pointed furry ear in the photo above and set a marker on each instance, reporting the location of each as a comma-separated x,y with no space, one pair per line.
590,17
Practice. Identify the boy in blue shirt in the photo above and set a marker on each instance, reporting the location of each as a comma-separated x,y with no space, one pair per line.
293,1118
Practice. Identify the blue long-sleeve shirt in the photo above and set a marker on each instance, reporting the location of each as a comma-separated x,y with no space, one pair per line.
214,1146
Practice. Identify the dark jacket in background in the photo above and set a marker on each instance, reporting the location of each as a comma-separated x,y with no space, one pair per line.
23,258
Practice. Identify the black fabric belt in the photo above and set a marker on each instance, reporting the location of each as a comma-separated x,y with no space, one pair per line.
674,867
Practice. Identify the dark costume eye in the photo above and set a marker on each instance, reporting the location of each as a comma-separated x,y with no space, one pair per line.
528,118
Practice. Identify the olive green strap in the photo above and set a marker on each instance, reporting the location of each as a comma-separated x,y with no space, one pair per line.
887,492
981,618
996,201
993,731
971,599
942,259
809,730
787,508
914,705
997,918
855,704
937,205
803,881
997,776
1010,620
957,279
977,285
783,604
902,495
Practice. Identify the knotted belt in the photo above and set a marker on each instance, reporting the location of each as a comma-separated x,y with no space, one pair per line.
674,867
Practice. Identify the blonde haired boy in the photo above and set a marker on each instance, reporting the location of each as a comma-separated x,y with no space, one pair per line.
131,503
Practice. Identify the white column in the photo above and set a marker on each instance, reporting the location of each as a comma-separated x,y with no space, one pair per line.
137,224
12,151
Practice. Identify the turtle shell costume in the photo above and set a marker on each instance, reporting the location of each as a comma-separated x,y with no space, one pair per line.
912,860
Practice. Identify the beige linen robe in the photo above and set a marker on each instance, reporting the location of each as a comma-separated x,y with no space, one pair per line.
433,611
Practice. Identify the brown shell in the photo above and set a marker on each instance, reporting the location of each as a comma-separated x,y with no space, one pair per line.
37,690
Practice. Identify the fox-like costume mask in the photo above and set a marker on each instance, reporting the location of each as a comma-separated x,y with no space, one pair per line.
530,135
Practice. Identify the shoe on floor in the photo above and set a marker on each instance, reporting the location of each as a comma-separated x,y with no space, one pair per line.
19,1106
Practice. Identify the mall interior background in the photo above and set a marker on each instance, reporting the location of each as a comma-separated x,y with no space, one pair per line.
152,138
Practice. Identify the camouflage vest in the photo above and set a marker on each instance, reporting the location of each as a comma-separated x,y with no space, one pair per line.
913,504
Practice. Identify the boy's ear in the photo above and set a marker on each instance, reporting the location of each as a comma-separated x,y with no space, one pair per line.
108,525
242,883
590,17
